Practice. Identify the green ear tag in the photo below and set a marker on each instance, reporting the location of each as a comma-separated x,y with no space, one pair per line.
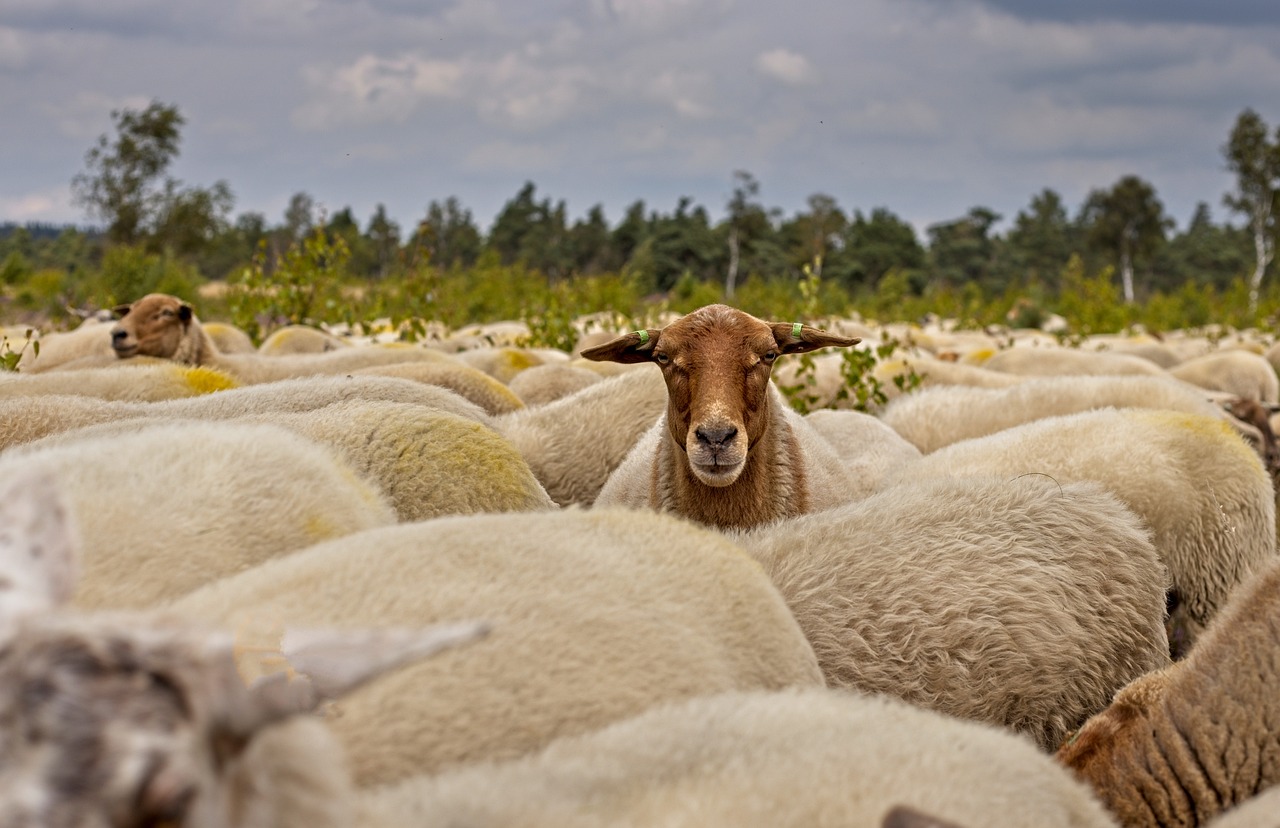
795,331
644,336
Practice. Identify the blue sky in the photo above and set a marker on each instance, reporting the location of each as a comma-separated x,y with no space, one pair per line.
926,107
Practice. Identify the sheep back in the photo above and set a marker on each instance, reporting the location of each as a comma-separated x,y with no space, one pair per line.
813,757
596,616
1021,603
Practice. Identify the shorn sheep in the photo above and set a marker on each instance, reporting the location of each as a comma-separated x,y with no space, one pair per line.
29,418
1016,602
165,508
1233,371
598,614
141,720
728,451
1203,492
817,758
1180,745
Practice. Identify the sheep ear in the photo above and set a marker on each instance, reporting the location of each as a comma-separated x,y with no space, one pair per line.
636,346
121,310
38,544
315,666
795,338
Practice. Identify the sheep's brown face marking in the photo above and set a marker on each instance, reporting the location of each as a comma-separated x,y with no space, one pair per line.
717,362
152,326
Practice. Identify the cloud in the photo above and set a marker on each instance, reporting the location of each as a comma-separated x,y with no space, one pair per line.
49,205
373,90
786,66
88,114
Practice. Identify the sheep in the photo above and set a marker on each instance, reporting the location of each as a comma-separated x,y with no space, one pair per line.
503,364
868,447
1202,491
1180,745
25,419
603,613
543,384
572,445
1054,361
141,719
935,417
470,383
425,463
92,338
227,338
163,326
299,339
164,508
1236,372
812,757
728,450
132,383
1017,602
937,372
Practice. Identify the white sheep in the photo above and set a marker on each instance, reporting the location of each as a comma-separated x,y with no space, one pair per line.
817,758
165,508
1016,602
28,418
139,719
57,348
602,613
868,447
1203,492
572,445
1258,811
1180,745
131,383
1234,371
728,451
165,327
463,380
1057,361
935,417
227,338
298,339
543,384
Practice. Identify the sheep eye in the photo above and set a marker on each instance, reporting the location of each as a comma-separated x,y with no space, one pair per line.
662,359
770,356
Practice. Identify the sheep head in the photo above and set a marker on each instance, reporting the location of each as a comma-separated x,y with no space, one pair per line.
155,326
111,720
717,363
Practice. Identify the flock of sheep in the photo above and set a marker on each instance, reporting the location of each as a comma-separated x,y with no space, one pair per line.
341,582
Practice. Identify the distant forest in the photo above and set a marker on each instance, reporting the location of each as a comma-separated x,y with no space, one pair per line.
155,229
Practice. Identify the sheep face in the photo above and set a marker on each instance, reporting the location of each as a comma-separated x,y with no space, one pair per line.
716,362
152,326
101,727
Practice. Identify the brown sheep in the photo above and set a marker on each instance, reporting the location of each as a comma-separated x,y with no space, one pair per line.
1182,744
728,451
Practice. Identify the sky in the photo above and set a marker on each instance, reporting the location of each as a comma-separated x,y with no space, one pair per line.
925,107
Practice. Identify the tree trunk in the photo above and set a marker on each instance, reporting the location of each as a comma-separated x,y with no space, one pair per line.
1263,252
1126,265
731,278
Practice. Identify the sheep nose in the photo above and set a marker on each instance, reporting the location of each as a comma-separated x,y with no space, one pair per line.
119,336
716,437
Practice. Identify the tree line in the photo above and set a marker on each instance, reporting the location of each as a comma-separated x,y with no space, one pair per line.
152,223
